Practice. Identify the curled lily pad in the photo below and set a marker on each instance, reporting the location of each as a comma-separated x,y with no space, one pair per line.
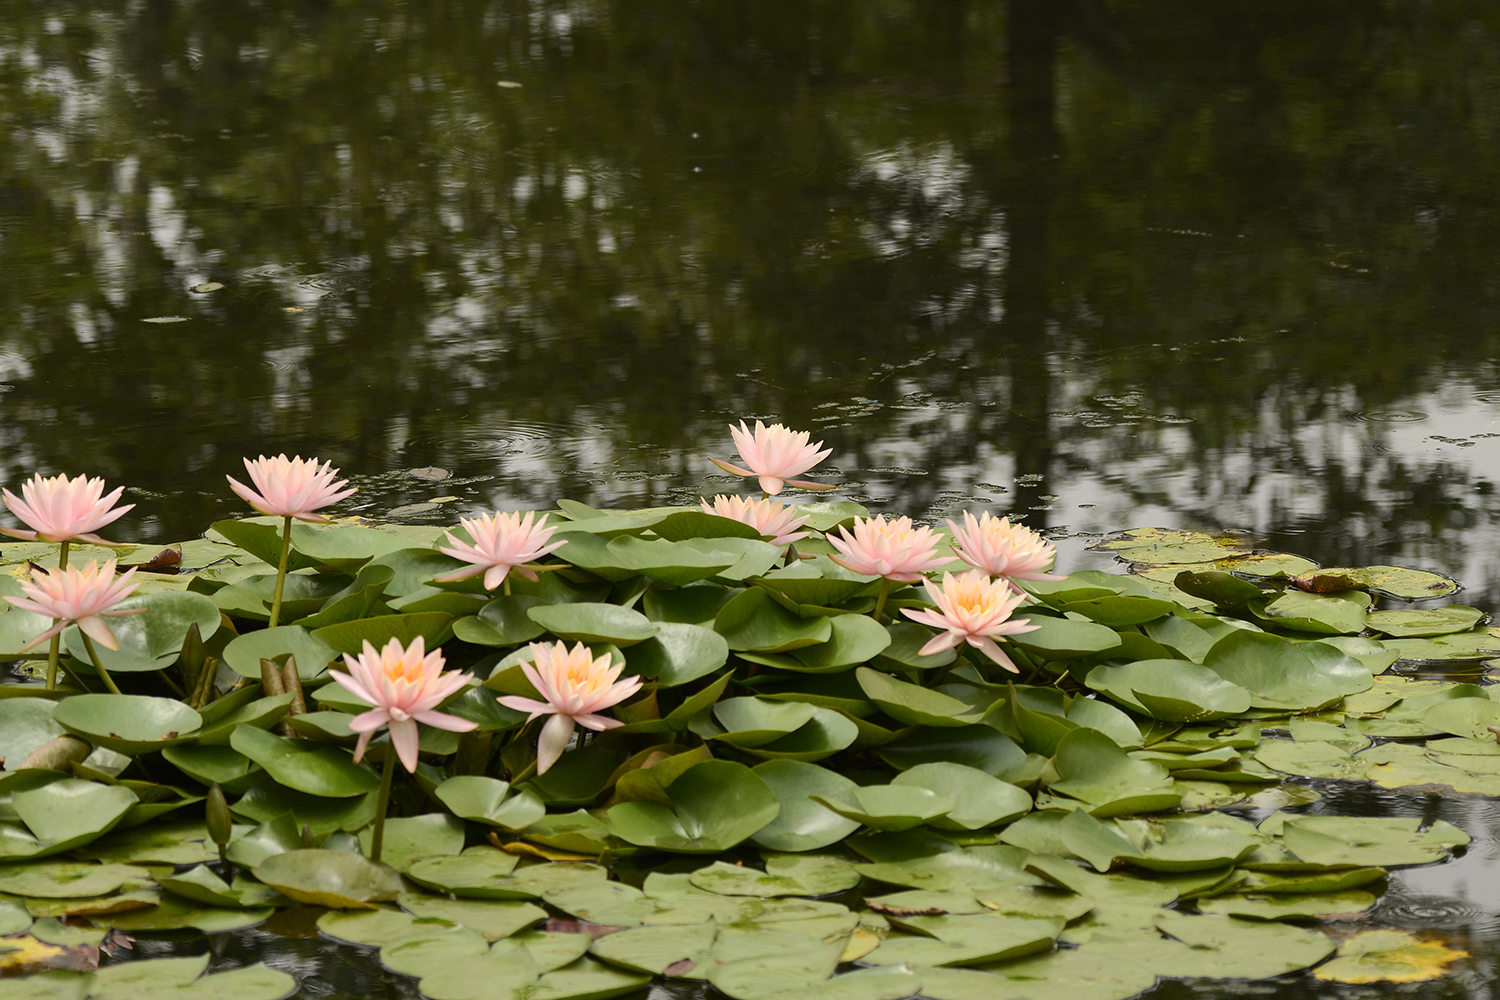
1300,906
244,653
914,704
888,807
127,723
1370,840
679,654
25,725
266,800
1172,690
1396,581
492,918
350,637
65,814
715,805
980,800
490,801
586,622
1064,638
1339,613
754,621
501,622
802,824
824,735
304,766
335,879
751,722
1388,957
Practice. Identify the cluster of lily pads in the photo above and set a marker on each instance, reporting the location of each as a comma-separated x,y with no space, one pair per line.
798,801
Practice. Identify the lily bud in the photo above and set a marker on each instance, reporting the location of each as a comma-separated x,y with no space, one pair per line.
217,818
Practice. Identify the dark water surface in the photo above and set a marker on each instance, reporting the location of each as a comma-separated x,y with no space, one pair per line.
1099,262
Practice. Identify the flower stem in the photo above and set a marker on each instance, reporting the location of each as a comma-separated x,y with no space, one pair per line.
383,801
529,770
55,648
885,591
286,551
88,644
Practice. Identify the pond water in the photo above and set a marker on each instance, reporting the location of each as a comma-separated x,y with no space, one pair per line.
1097,263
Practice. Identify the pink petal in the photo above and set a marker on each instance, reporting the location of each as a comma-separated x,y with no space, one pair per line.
359,748
368,722
462,574
54,630
940,642
519,704
989,648
805,485
598,723
404,739
771,485
495,576
727,467
354,687
442,720
30,536
554,740
95,628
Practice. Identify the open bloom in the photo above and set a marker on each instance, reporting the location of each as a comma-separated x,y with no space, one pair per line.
769,517
62,509
892,549
502,543
972,608
775,454
291,487
1012,551
576,687
405,686
81,597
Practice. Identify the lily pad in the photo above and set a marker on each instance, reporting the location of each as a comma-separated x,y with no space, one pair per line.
1275,671
1301,906
149,641
785,875
1370,840
802,824
913,704
492,918
1423,623
127,723
1389,957
490,801
1172,690
1396,581
679,654
888,807
335,879
715,805
1094,770
244,653
754,621
305,766
502,622
980,800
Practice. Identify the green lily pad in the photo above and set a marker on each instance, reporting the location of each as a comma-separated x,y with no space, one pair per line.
824,735
267,799
1094,770
679,653
380,927
174,913
250,597
336,879
350,637
980,799
586,622
490,801
1277,673
978,746
149,641
913,704
715,805
1302,906
1470,717
1172,690
966,940
408,838
802,824
244,653
754,621
1423,623
502,622
430,947
854,639
58,879
785,875
1064,638
304,766
1340,613
484,873
1479,644
1311,758
751,722
220,765
653,950
127,723
888,807
1058,975
1396,581
25,725
1370,840
65,814
492,918
165,843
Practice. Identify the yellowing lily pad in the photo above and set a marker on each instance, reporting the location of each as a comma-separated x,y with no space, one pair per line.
1388,957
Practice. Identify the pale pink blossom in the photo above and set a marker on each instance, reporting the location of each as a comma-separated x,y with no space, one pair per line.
62,509
502,543
74,596
893,549
775,454
291,487
771,518
405,686
975,609
575,687
1011,551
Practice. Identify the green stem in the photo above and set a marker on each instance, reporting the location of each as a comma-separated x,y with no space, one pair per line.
885,591
507,585
109,681
526,772
55,648
286,552
383,802
77,681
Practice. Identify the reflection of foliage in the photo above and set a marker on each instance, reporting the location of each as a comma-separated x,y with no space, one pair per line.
687,212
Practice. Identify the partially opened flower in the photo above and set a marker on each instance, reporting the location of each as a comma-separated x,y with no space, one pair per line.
405,686
893,549
502,543
771,518
73,596
775,454
975,609
291,487
60,509
1012,551
575,687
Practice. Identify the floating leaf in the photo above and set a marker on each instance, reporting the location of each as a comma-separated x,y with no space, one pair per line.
715,805
127,723
785,875
490,801
335,879
304,766
1422,623
980,800
1388,957
802,824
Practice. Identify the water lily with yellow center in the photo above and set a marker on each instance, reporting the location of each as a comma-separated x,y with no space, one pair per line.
502,543
575,687
1011,551
405,686
774,454
59,509
773,519
975,609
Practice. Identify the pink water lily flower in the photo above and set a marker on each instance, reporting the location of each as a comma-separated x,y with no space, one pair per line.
775,454
575,687
82,597
1002,549
62,509
975,609
502,543
771,518
405,686
893,549
291,487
